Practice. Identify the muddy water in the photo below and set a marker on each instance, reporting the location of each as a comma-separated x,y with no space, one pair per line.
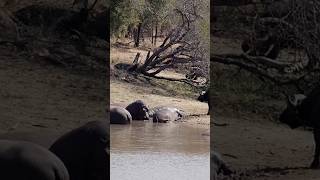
151,151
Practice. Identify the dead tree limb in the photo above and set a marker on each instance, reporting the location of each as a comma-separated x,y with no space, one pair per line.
277,72
173,50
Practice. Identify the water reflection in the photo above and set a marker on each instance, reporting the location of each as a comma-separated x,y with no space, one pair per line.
146,150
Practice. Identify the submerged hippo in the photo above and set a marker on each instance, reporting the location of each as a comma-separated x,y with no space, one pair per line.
166,114
119,115
25,160
138,110
84,151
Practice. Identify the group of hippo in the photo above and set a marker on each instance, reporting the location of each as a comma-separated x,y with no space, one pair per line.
81,154
138,110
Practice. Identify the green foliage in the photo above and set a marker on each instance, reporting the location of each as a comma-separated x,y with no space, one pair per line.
129,13
122,15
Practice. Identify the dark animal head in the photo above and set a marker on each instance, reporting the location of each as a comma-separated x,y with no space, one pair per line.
290,115
204,96
138,110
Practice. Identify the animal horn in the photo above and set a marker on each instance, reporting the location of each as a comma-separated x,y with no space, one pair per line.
296,99
291,100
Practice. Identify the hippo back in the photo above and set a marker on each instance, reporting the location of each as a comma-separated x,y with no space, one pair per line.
25,160
119,115
158,108
84,151
167,114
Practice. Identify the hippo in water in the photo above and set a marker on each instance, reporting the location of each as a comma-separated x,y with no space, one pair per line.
218,166
166,114
119,115
84,151
24,160
138,110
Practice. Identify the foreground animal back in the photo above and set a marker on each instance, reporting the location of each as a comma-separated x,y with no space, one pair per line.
20,160
84,151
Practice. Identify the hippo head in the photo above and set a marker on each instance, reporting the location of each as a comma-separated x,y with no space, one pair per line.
290,115
138,110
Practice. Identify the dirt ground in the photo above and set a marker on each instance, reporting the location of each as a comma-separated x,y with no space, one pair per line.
40,101
257,146
264,150
47,85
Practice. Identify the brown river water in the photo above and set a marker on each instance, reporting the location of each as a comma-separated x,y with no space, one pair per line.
152,151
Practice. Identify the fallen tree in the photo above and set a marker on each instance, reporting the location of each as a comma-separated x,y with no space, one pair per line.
176,49
300,28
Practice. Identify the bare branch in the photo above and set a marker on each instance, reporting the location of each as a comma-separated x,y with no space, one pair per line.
265,70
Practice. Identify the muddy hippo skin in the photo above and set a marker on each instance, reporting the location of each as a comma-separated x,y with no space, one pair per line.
84,151
218,166
204,97
24,160
119,115
138,110
166,114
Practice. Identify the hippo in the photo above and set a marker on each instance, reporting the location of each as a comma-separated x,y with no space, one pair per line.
166,114
218,166
84,151
138,110
119,115
204,97
26,160
304,110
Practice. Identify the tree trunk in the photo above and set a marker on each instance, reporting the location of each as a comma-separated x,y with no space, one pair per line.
137,40
152,35
155,35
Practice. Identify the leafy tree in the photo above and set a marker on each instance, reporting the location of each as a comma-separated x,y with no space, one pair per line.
122,15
